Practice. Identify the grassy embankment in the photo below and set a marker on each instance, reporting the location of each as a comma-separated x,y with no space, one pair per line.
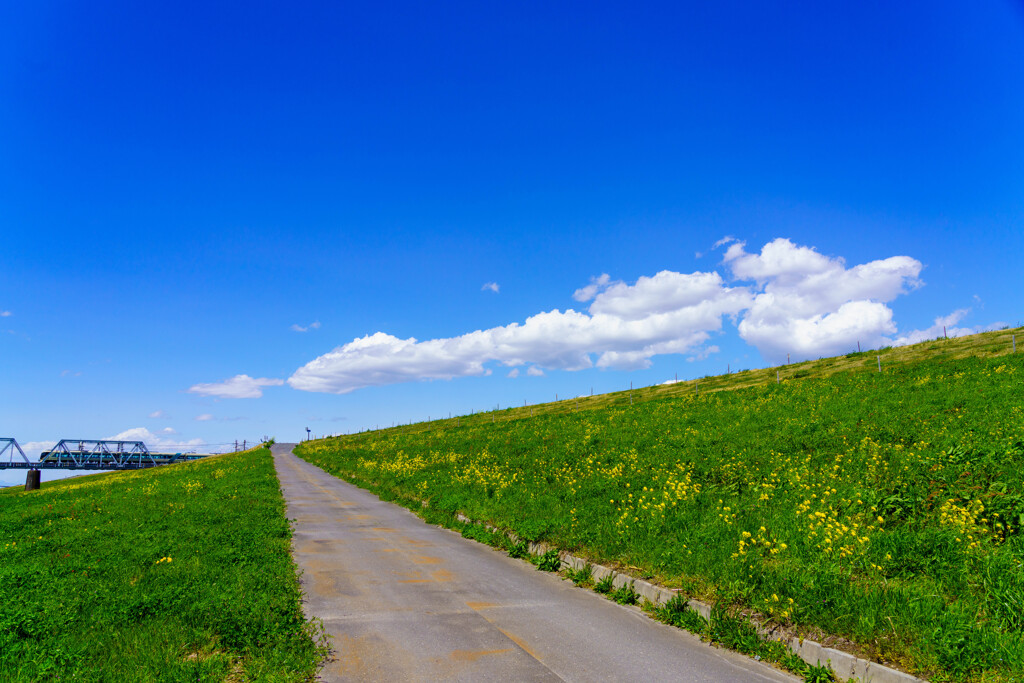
178,573
884,508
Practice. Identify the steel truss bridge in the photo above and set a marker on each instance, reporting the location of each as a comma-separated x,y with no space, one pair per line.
89,454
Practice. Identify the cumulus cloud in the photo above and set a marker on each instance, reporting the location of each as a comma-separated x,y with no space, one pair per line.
946,324
492,286
239,386
807,304
786,299
315,325
624,327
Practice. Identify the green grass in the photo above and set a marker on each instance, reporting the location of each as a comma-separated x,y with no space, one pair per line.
179,573
735,632
882,509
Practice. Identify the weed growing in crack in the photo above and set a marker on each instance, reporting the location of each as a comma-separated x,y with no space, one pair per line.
819,674
604,586
518,550
582,577
624,594
678,612
549,561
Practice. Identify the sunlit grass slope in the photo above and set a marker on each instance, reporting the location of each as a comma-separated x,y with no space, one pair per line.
886,508
179,573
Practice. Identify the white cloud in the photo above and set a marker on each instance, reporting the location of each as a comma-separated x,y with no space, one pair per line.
5,314
534,371
590,291
703,354
70,373
808,304
946,324
168,430
725,240
33,449
625,326
789,299
158,414
315,325
205,417
239,386
155,442
493,286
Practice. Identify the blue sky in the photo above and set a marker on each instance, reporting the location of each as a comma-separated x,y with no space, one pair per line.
184,186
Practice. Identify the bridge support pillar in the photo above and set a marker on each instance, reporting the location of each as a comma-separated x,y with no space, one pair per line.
32,480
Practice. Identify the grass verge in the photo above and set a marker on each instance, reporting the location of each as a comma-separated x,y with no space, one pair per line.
878,512
178,573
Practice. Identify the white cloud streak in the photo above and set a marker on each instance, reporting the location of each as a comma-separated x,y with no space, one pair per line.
590,291
158,414
205,417
946,325
155,441
492,286
315,325
703,354
33,449
239,386
5,314
625,326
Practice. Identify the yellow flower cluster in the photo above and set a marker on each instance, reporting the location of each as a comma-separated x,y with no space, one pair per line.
777,607
668,488
398,464
966,520
759,543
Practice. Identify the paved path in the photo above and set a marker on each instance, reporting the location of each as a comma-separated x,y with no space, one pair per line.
406,601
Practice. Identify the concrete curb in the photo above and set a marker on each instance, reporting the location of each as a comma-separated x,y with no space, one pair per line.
844,665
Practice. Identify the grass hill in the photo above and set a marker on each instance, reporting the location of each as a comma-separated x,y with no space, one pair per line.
885,507
177,573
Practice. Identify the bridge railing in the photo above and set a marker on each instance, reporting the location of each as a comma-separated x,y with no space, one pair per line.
80,453
90,454
9,448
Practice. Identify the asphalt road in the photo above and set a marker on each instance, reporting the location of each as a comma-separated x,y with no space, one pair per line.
407,601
